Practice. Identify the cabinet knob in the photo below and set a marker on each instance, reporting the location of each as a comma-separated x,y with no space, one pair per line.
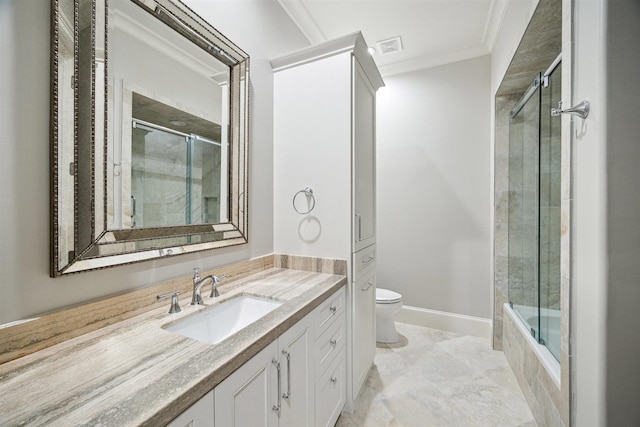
334,380
333,309
333,343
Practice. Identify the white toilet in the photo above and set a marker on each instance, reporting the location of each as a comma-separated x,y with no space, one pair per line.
387,304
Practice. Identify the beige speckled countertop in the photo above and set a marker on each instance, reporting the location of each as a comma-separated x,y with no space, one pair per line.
136,373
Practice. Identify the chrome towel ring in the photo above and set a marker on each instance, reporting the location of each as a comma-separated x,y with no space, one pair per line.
308,191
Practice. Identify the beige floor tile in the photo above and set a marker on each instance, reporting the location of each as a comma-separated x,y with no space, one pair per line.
433,378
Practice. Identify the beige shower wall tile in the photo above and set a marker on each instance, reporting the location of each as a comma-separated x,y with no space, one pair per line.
548,403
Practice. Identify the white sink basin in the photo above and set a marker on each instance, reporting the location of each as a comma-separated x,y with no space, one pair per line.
220,322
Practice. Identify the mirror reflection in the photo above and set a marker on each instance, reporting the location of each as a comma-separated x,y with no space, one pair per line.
178,168
150,134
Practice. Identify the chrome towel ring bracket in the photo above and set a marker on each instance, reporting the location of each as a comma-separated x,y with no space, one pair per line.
308,191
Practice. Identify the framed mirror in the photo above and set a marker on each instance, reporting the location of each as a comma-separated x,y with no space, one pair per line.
149,134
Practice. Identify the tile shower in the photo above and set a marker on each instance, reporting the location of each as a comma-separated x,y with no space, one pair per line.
171,183
532,208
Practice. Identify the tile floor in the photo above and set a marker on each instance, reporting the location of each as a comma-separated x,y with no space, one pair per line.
433,378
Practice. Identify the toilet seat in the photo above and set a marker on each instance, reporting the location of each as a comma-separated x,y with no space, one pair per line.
385,296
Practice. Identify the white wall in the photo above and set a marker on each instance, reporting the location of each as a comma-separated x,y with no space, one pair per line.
260,27
434,187
589,229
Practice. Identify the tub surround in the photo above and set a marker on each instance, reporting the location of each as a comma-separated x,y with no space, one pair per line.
548,400
131,371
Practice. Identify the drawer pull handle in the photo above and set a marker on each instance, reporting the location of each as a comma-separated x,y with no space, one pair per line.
369,285
288,356
334,380
368,260
333,309
333,343
276,408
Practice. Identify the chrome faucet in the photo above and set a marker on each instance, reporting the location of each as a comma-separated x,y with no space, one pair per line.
216,282
198,283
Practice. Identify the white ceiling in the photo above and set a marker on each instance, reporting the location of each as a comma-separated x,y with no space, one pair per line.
433,32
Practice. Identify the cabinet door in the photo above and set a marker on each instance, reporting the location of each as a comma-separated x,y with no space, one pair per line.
331,394
200,414
364,171
247,397
364,327
296,370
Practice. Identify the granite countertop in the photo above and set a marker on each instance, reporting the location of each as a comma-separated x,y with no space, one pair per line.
137,373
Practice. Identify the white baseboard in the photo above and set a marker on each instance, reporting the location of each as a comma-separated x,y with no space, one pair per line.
452,322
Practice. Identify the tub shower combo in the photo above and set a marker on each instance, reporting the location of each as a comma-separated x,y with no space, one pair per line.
534,211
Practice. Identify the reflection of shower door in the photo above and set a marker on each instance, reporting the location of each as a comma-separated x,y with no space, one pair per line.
534,210
175,178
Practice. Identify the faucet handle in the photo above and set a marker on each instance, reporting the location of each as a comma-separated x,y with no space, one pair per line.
175,307
196,274
214,288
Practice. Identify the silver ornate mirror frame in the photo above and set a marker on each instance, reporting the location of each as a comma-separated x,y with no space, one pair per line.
80,143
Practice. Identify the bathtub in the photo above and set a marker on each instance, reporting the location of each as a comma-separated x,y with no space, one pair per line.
526,318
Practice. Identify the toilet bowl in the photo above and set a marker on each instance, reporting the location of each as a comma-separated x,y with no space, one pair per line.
387,304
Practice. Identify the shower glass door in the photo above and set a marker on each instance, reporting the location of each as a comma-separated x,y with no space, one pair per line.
524,207
176,179
550,167
534,210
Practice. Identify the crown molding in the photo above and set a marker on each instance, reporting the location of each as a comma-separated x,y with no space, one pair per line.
430,61
495,17
354,43
122,21
303,19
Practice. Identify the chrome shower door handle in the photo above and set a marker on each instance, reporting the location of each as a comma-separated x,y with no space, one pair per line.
288,356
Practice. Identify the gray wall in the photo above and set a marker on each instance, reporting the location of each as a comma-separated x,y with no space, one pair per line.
261,28
623,213
434,187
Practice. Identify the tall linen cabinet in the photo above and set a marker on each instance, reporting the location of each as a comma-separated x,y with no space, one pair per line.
324,140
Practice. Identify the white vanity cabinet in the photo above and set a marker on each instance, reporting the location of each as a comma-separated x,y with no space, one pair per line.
364,160
287,384
364,321
324,138
275,387
246,397
330,360
296,373
200,414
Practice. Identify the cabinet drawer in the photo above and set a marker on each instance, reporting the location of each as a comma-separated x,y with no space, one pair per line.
200,414
330,344
329,310
362,260
331,394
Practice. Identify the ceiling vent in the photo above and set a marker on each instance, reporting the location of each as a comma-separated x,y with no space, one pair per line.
388,46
